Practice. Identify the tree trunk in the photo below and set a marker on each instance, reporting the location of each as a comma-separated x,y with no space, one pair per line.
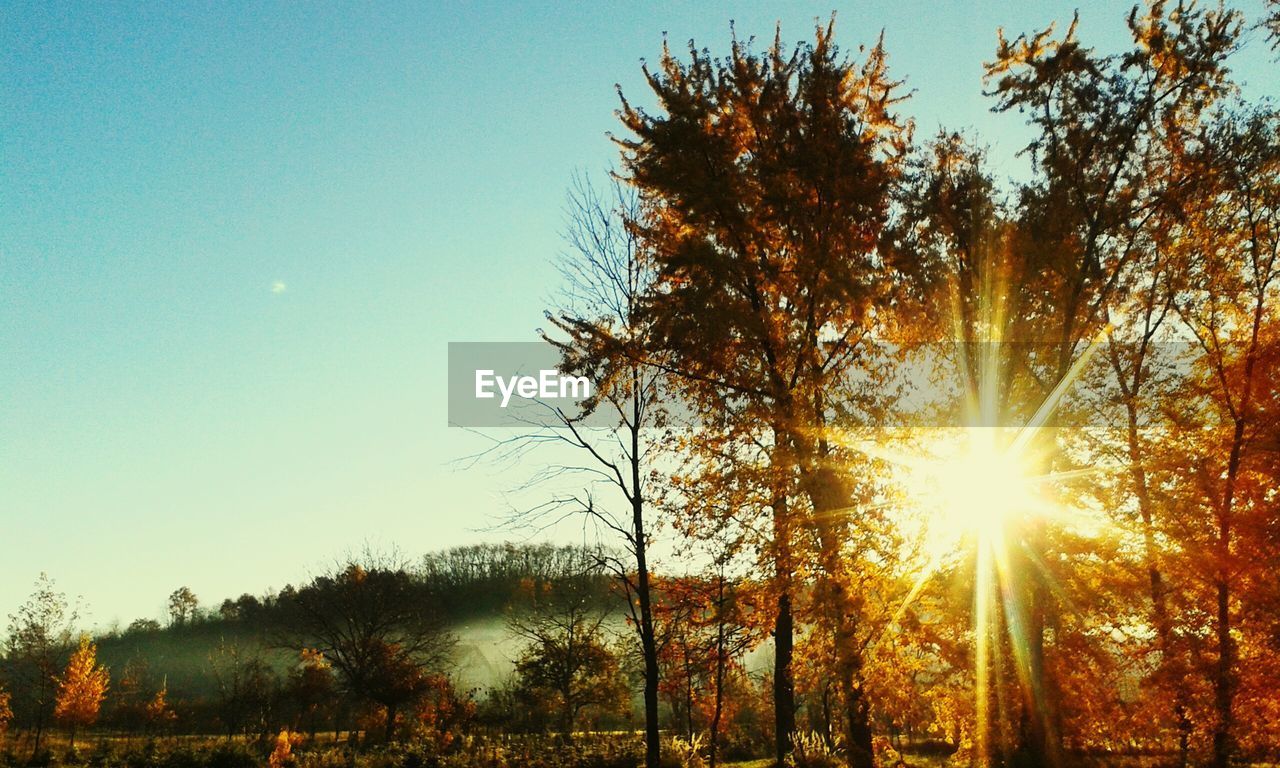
570,709
1223,684
688,695
35,749
391,723
784,689
827,736
1222,680
826,492
713,729
1038,749
784,692
1159,600
859,750
652,737
1039,742
648,640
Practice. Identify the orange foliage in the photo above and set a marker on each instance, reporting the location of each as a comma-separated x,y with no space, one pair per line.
282,753
6,712
82,687
442,714
157,712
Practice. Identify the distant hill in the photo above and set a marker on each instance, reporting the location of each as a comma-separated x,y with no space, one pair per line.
474,588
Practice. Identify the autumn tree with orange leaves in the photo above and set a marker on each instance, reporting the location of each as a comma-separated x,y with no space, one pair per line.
1108,133
764,181
1230,246
81,688
312,687
158,713
567,666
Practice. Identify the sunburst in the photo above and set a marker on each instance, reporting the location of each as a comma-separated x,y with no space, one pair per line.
980,489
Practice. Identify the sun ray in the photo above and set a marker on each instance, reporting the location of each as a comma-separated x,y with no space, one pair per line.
981,485
1051,403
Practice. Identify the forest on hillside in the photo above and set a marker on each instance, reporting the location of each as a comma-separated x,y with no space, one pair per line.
890,460
338,654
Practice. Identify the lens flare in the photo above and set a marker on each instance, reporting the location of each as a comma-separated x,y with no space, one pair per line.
975,491
981,491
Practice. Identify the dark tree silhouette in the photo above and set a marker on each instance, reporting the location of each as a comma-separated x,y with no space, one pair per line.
377,625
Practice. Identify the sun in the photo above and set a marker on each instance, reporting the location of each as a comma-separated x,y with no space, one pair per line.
983,487
972,490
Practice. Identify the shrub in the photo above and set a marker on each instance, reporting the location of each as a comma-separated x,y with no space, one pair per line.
811,750
684,753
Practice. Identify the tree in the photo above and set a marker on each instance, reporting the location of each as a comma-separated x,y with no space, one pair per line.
81,688
312,688
139,705
443,714
764,184
183,605
130,694
605,276
566,664
1231,248
393,680
481,579
282,753
1104,125
142,627
729,636
710,618
158,713
244,608
984,292
1142,390
6,712
38,638
376,625
705,633
244,687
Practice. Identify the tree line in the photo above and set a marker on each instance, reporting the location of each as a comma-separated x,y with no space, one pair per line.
365,647
777,251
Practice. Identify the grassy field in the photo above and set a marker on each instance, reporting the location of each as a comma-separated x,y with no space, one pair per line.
102,750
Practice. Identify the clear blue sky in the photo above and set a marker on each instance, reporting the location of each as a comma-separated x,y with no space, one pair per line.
236,238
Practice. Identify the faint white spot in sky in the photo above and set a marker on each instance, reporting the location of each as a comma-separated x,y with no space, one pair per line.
278,287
